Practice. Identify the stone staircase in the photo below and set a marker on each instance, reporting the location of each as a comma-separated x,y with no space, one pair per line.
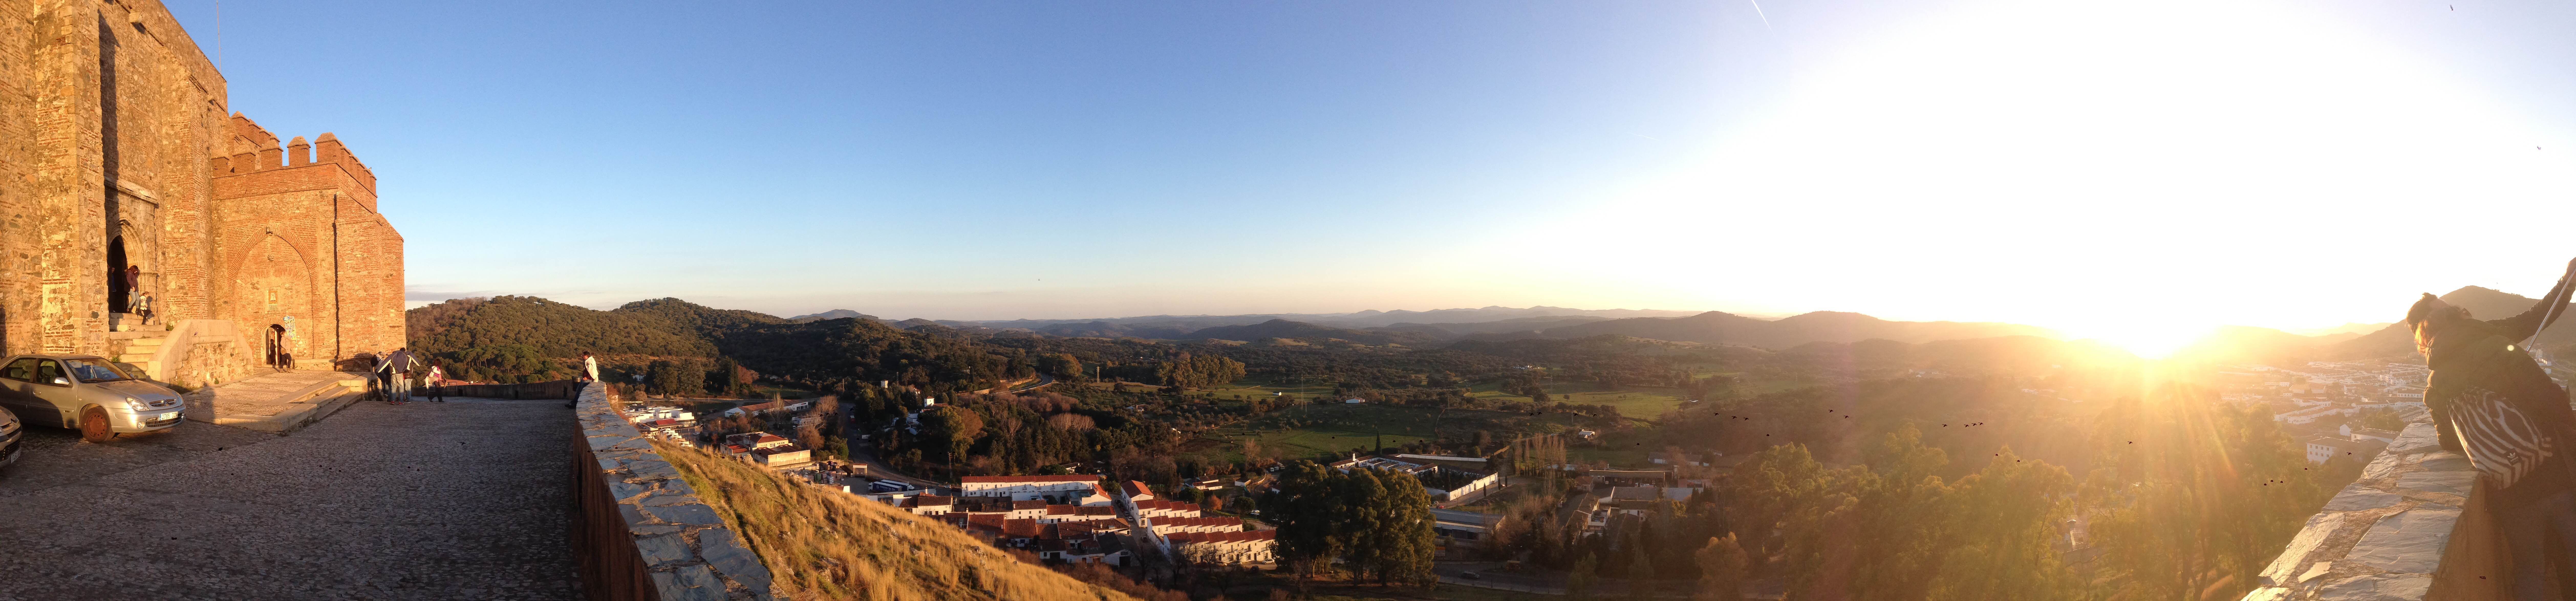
139,349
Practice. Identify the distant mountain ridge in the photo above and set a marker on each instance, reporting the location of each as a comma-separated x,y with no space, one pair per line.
1718,327
832,314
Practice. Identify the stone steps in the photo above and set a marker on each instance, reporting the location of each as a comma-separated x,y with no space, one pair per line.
142,349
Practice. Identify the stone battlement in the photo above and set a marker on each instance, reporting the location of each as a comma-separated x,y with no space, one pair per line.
254,149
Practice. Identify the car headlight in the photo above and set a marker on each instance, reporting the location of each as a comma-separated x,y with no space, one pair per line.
137,405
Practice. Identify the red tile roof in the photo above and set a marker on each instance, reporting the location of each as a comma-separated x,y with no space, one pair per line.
1135,488
1028,504
1222,537
1199,521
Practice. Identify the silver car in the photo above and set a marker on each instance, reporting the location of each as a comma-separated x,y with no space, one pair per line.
85,392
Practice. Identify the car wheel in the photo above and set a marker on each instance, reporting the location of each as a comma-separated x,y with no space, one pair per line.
93,425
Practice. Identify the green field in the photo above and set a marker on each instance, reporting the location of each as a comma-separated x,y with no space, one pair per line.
1306,430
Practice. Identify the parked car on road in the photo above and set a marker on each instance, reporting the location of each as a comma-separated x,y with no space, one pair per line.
87,393
10,429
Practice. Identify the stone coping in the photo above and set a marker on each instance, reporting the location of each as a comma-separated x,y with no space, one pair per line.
686,548
2387,535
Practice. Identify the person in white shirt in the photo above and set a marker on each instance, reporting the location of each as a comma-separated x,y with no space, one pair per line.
589,368
437,380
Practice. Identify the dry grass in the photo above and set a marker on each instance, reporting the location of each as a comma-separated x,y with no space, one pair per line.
824,544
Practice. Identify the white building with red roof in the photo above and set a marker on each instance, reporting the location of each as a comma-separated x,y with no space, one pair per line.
1076,490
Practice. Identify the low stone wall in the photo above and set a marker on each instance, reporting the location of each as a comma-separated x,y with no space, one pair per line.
641,532
559,389
2411,528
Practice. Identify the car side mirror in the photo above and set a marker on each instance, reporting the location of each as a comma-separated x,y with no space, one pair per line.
62,382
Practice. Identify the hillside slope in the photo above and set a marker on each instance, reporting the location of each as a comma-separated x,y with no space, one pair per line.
830,545
1717,327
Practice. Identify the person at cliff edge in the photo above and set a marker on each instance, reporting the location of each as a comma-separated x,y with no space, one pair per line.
2491,401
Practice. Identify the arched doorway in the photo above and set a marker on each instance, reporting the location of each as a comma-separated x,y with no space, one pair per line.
118,283
276,345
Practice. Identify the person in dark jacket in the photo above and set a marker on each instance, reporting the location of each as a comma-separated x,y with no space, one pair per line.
2491,401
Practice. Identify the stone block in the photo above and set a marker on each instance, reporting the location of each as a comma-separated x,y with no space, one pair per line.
2384,466
2295,557
2444,461
2358,497
665,499
689,583
2377,587
2269,593
634,515
678,487
650,529
652,469
2448,482
663,550
2408,541
621,490
728,555
695,514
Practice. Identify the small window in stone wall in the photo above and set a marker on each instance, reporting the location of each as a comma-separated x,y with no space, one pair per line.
272,300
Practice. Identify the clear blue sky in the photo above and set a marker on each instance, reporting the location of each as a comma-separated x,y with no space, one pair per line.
974,160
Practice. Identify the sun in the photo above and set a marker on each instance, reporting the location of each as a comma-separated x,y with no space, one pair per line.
2148,340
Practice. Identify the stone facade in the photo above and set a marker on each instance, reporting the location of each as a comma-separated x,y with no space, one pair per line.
117,148
2410,528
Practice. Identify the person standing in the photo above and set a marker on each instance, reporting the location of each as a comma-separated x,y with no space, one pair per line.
437,381
589,368
142,306
2491,401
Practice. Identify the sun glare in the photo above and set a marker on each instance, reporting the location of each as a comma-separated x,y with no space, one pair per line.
2147,340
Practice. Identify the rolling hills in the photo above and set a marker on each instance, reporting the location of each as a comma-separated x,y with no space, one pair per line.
1716,327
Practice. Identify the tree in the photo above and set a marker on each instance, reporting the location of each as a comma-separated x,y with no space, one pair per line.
1578,583
1721,570
672,378
956,427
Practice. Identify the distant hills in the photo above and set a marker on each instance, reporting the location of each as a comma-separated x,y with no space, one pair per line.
1717,327
1178,326
832,314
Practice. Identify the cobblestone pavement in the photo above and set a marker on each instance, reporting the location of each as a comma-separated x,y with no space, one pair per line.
460,500
260,396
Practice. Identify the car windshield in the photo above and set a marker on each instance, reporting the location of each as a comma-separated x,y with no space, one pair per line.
94,370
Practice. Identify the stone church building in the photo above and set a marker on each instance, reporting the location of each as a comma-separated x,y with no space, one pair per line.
119,155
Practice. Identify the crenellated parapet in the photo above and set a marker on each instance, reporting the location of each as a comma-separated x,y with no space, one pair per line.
253,150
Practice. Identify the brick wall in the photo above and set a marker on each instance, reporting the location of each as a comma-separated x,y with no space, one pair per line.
114,125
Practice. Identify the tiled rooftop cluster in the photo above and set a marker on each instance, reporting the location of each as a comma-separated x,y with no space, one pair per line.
684,548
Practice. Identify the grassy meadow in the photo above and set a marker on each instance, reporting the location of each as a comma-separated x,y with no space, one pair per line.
825,544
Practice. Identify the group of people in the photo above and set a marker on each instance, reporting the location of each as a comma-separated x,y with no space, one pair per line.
393,373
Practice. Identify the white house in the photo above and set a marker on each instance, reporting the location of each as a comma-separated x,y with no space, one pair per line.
2323,448
1225,548
1076,490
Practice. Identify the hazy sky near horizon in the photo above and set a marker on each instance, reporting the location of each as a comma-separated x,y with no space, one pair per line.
2105,168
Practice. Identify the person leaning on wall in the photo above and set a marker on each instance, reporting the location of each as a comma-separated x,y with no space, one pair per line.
2493,402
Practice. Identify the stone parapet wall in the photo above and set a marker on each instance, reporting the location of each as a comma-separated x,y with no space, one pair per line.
2412,527
642,533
